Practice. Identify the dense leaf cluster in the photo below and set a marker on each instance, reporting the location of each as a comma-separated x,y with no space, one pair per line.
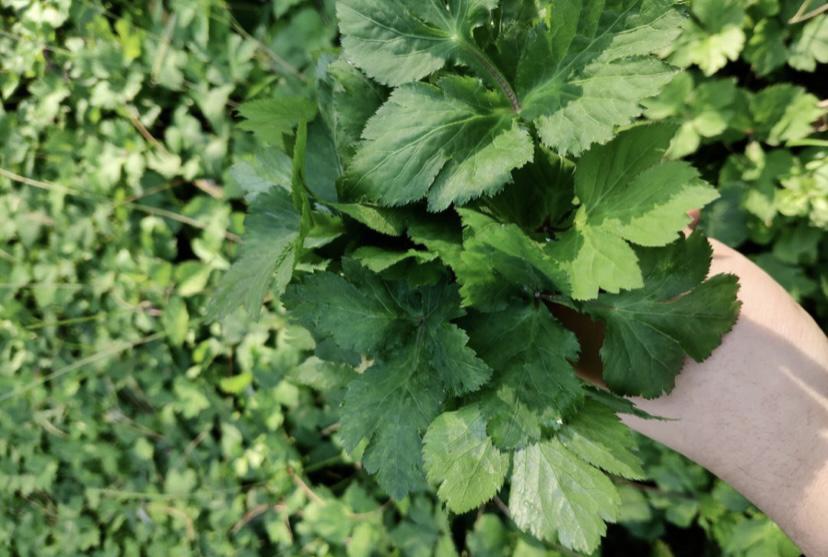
130,426
479,176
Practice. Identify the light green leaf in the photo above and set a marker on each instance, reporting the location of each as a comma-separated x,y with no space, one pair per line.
714,37
596,435
397,41
460,458
379,259
176,320
236,384
556,496
627,193
449,143
811,46
589,72
784,113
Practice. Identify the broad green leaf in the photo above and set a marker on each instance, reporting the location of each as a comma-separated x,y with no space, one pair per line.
268,168
714,35
390,406
500,262
397,41
628,193
270,119
596,435
650,332
236,384
534,382
557,496
176,321
266,257
766,50
451,143
811,46
354,99
322,164
588,72
459,368
357,317
541,195
460,458
532,354
511,424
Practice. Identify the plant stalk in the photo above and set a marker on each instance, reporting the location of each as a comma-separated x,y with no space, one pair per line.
482,63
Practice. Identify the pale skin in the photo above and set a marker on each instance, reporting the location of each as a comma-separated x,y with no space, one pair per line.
756,412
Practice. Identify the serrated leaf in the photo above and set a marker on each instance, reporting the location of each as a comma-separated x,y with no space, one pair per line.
713,37
266,257
397,41
421,357
556,496
460,458
532,207
390,406
378,259
628,193
357,318
811,46
650,332
500,262
766,50
176,321
271,119
354,99
597,436
532,354
385,220
455,363
589,72
450,143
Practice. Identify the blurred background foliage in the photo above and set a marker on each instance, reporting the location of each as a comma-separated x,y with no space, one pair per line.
130,426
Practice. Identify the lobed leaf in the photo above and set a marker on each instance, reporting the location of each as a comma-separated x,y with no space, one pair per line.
628,193
450,143
397,41
460,457
650,332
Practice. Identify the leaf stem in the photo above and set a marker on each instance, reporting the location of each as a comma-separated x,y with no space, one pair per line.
801,15
479,61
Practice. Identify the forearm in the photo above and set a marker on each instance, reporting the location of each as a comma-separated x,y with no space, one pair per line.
756,412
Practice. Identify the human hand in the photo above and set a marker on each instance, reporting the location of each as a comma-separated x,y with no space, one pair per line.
756,412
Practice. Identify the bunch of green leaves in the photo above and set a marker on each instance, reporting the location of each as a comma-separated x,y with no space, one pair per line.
766,34
467,168
130,426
